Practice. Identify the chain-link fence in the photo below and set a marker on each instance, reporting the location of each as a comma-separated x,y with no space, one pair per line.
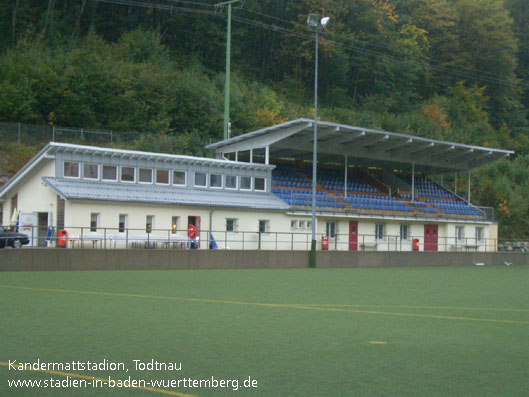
33,134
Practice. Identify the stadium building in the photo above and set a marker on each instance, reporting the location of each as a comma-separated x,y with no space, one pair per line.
374,192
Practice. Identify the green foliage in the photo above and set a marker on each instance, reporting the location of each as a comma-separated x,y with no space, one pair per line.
504,186
455,70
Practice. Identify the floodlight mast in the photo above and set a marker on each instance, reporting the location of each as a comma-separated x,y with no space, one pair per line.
315,23
228,60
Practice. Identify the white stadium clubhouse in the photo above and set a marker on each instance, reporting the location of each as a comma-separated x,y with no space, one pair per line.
375,191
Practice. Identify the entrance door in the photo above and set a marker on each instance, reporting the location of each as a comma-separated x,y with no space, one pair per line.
28,224
43,229
353,236
430,237
195,221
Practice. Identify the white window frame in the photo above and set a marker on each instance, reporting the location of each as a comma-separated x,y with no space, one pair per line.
121,174
379,226
195,179
175,224
139,175
267,226
460,234
88,178
168,176
236,182
246,189
294,224
480,239
221,181
185,178
78,169
147,231
235,225
407,232
124,223
93,229
329,230
103,173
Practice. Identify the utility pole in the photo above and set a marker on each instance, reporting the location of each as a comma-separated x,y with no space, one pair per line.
228,58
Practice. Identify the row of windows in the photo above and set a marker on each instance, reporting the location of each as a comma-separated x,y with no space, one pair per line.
162,176
123,222
300,225
232,224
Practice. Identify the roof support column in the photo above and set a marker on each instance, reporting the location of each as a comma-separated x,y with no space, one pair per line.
267,155
251,155
236,155
345,179
455,182
412,181
468,191
442,180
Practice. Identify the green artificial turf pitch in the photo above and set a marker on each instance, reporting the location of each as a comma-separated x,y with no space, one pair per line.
306,332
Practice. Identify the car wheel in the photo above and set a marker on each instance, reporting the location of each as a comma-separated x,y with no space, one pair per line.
16,243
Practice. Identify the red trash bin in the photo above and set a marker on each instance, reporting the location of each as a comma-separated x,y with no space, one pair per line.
415,244
325,243
62,238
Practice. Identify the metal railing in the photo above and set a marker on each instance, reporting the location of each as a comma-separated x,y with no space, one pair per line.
332,204
131,238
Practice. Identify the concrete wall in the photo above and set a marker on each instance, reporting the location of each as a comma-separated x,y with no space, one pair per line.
84,259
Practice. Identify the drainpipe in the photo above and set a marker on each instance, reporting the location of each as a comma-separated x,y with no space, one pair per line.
210,223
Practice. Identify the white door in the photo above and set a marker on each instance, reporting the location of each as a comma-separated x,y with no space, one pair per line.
28,224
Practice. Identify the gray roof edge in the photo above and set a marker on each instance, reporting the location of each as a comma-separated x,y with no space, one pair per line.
51,183
34,161
266,130
252,134
58,146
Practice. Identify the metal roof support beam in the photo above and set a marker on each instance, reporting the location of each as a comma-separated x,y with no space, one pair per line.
345,179
262,140
443,151
413,149
338,145
393,144
455,182
483,160
457,156
468,190
374,139
476,157
412,181
411,155
346,138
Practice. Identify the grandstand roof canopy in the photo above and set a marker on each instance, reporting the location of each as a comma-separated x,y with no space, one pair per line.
362,146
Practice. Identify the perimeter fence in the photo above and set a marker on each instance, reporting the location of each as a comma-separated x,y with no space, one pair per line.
34,134
133,238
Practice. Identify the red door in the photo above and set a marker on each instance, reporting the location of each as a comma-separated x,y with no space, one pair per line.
430,237
353,236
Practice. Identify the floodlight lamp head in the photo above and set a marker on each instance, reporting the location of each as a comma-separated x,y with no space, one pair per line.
324,21
313,21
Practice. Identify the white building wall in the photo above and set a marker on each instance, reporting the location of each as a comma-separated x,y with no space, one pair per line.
33,196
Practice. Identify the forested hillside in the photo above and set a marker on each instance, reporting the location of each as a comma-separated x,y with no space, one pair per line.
448,69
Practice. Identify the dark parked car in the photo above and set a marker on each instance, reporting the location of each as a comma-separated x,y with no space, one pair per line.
13,239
